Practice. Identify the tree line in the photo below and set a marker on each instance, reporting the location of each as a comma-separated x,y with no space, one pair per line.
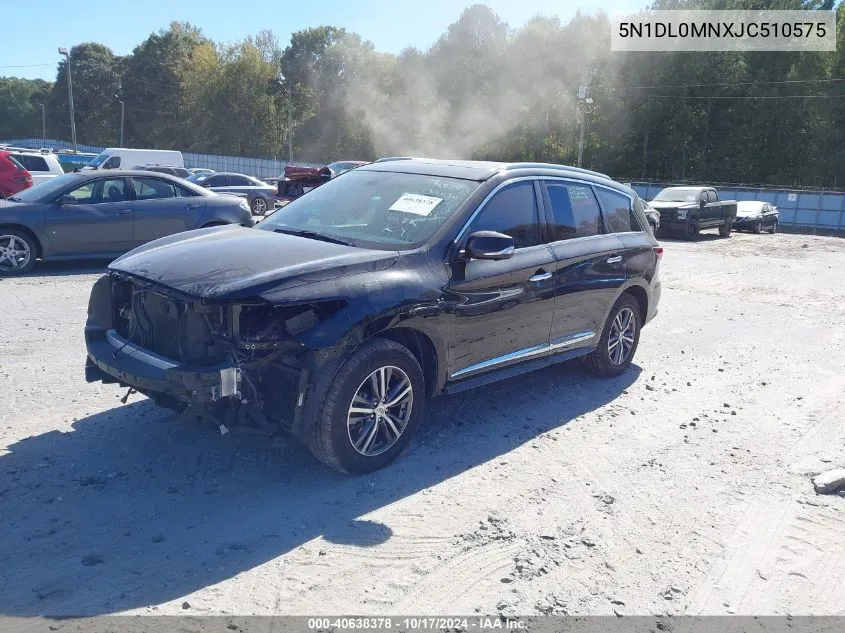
482,90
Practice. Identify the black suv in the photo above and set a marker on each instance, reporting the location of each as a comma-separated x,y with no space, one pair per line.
338,316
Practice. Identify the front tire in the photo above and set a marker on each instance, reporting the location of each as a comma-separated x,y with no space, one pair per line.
374,404
774,228
692,229
18,252
619,339
758,226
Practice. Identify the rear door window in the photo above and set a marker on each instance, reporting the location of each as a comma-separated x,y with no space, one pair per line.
239,181
153,188
575,212
619,216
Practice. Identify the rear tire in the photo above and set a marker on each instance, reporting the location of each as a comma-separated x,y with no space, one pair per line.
259,206
345,436
619,339
18,252
726,228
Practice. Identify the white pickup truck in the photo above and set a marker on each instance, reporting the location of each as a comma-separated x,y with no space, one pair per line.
42,166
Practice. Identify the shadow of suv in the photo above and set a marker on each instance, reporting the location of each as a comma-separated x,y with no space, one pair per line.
340,316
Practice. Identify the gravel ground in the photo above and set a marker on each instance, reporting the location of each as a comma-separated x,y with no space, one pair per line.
680,487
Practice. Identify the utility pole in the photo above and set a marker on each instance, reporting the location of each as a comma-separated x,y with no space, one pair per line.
66,53
283,81
583,100
43,123
122,110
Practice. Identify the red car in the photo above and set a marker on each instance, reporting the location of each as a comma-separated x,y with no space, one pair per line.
13,177
298,180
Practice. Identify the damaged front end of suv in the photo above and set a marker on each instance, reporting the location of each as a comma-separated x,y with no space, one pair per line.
237,361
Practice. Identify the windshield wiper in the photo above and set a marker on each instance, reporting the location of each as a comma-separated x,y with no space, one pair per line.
14,199
312,235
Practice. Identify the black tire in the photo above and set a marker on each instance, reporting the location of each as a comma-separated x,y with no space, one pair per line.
599,361
726,228
774,228
758,227
332,441
17,241
259,206
692,229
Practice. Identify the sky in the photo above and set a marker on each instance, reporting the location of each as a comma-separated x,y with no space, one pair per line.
122,24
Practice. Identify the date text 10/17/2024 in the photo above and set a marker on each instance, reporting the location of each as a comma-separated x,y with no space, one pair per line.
416,624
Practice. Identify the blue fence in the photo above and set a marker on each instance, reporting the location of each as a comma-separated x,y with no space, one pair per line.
259,167
810,209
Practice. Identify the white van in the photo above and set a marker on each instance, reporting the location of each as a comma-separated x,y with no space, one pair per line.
122,158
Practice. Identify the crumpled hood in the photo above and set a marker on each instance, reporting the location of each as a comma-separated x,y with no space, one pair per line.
233,261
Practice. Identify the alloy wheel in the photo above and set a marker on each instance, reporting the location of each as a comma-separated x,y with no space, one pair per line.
14,252
380,411
259,206
620,341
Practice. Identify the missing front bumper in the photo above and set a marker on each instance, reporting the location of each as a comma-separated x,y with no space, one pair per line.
112,358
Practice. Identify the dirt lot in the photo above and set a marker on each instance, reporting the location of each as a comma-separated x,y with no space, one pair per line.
680,487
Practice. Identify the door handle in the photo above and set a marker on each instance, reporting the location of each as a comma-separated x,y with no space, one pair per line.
124,212
540,276
193,206
615,260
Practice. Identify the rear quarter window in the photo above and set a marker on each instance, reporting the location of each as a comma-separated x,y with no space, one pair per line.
31,162
618,211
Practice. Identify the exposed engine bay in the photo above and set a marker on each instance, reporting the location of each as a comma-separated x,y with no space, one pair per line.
250,343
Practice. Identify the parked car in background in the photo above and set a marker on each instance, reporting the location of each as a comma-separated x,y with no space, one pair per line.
259,195
13,176
42,166
200,170
101,215
123,158
299,179
755,216
338,317
652,215
179,172
341,166
687,210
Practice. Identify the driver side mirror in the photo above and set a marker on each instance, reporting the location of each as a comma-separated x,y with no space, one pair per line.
702,204
63,200
490,245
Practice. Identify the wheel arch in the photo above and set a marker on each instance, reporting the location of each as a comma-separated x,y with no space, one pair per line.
423,349
29,232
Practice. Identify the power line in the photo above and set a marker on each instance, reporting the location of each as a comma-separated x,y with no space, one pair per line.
842,96
740,83
27,65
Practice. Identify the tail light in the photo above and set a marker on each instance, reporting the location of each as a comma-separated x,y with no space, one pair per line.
658,250
22,176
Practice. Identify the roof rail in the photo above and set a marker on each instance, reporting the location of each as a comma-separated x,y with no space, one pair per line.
554,166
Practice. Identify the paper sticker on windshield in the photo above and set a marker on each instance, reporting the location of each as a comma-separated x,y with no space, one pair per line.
416,204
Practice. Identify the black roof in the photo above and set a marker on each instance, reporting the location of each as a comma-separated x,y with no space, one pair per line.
475,169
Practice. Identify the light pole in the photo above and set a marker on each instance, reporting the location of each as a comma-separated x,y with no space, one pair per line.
66,53
282,80
122,110
43,123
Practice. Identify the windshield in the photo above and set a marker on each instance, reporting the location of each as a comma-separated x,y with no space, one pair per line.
197,178
678,195
46,190
99,159
749,206
380,209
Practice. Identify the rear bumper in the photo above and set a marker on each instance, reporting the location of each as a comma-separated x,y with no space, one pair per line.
111,358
